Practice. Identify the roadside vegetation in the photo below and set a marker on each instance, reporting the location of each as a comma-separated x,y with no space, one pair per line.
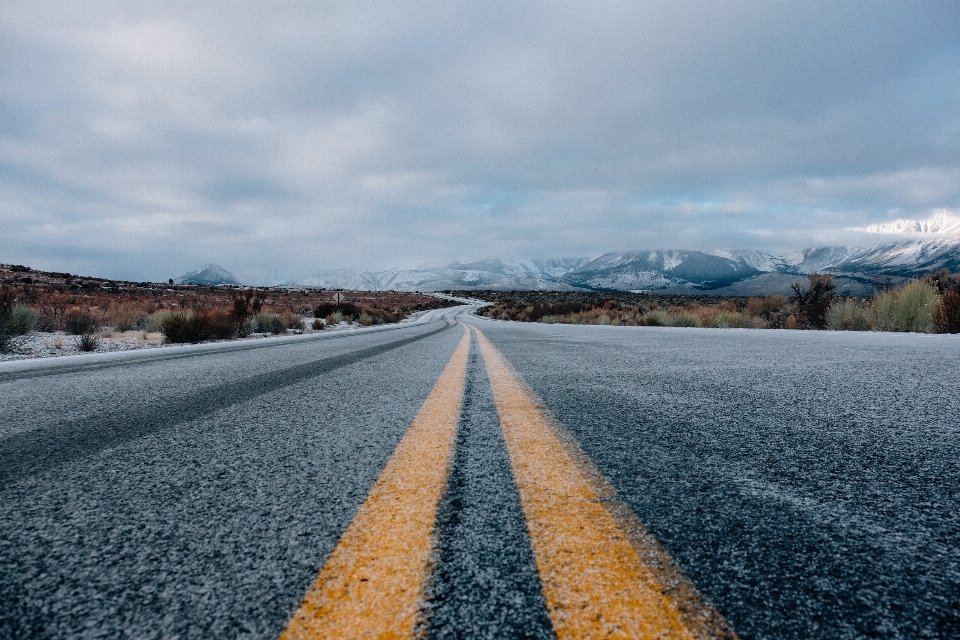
928,305
89,313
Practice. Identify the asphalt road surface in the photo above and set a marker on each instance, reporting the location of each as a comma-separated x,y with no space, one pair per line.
523,480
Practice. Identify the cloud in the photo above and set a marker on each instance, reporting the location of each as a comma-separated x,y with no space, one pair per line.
142,139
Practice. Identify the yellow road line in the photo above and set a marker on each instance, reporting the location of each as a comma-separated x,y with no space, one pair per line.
373,584
593,576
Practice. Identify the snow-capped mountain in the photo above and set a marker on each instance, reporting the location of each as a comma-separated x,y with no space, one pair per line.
208,274
902,249
943,223
905,248
486,274
643,270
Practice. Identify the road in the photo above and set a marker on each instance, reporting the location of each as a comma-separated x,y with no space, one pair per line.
510,480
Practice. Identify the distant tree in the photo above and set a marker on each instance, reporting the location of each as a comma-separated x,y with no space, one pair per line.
812,303
259,297
241,305
882,285
944,281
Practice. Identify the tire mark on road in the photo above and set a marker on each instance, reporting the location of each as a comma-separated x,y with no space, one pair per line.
32,452
150,356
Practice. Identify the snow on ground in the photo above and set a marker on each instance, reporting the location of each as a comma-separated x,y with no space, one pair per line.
42,344
39,344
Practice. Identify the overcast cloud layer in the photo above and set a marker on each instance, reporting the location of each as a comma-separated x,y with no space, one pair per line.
138,140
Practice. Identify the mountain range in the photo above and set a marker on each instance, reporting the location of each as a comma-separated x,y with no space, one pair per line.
905,249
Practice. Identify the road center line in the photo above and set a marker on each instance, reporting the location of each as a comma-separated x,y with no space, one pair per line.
594,580
373,583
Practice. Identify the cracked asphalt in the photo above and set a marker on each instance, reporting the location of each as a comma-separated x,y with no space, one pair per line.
807,482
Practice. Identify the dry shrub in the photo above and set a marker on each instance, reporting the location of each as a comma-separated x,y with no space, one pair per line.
153,322
727,320
324,309
685,320
269,322
812,303
22,319
907,308
88,342
79,322
765,307
947,316
7,303
848,314
718,317
754,307
51,316
124,316
193,326
656,318
219,324
293,320
181,327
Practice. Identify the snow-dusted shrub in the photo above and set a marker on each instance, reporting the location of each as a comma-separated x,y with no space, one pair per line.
88,342
153,322
22,319
336,317
848,314
726,320
549,319
365,319
684,320
269,322
318,324
656,318
908,308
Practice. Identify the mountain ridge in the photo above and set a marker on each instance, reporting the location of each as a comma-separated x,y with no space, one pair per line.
675,271
896,251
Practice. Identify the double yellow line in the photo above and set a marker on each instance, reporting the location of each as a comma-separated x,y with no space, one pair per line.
602,574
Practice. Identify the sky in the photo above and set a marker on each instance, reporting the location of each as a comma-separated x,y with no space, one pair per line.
139,140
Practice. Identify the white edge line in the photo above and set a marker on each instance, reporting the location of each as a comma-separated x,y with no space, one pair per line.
39,364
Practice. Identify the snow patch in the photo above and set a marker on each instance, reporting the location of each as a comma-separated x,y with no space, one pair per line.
944,222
